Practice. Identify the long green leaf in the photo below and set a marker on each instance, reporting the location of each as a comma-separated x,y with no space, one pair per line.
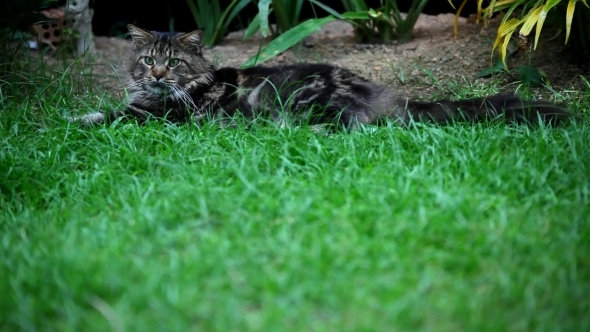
288,39
359,5
326,8
571,6
226,18
299,4
356,16
347,5
237,9
414,12
263,10
252,27
281,13
193,9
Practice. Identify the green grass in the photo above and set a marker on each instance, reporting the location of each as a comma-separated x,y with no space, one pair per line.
172,228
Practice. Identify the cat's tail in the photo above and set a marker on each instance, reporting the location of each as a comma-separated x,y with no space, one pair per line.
509,108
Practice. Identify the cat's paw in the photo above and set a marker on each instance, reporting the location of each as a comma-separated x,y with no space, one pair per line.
88,119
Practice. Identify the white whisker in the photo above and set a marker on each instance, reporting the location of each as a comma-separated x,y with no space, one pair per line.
181,94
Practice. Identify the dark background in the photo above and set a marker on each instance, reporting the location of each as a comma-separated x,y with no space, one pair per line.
112,16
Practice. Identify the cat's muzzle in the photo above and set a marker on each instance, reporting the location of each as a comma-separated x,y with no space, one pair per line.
157,87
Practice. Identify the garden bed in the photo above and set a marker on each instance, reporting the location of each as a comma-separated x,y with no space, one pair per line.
434,48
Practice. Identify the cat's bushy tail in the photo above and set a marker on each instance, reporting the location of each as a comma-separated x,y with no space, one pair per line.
509,108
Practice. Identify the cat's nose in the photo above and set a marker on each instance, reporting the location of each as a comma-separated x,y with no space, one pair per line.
158,73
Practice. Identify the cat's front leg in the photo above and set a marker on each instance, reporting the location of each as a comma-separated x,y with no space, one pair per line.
97,118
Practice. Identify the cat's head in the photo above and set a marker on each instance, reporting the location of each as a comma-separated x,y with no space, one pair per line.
166,64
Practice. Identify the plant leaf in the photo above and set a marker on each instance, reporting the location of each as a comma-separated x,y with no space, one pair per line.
571,6
548,5
505,31
227,17
326,8
252,27
356,16
497,67
374,14
237,9
360,5
530,76
288,39
263,11
457,15
531,20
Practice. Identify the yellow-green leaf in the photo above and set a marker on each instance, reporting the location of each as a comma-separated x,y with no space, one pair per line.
548,5
505,31
490,9
504,2
496,6
571,6
457,14
501,4
504,48
509,26
479,9
531,20
373,13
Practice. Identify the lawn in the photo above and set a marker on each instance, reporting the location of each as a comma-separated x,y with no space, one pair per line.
175,228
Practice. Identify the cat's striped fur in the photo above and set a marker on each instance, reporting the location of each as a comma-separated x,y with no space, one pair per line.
171,79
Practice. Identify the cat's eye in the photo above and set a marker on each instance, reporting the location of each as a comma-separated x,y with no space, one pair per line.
148,61
173,62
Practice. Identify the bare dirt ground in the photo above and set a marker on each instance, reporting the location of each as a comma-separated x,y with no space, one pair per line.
434,48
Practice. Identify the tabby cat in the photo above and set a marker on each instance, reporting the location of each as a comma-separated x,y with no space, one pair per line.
171,79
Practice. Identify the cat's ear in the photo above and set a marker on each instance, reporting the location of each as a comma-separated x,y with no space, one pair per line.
140,37
192,40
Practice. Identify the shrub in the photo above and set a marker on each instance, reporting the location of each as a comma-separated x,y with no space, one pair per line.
212,20
533,15
285,12
370,25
